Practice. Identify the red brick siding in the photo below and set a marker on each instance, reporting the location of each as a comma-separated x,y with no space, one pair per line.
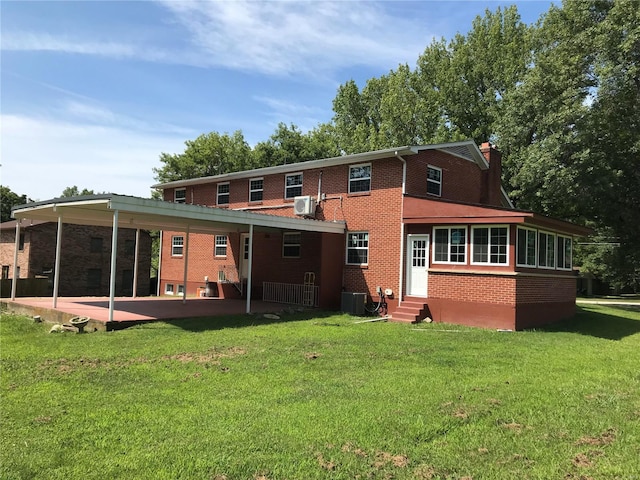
469,287
461,179
76,258
545,289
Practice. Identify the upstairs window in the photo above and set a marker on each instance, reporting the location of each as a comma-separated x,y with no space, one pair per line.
180,195
546,250
450,245
526,247
490,245
564,252
221,246
291,244
357,248
177,245
256,186
293,185
223,194
360,178
96,245
434,180
21,242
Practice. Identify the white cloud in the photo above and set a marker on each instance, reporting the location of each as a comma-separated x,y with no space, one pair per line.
304,116
280,38
286,38
43,156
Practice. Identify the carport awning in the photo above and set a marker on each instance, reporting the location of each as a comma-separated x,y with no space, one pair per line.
147,214
120,211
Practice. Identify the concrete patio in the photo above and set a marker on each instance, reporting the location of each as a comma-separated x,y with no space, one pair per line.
130,311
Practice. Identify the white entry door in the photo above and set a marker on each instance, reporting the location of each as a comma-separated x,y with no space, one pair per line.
417,264
244,255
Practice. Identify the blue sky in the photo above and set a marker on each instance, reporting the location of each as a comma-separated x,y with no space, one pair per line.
93,91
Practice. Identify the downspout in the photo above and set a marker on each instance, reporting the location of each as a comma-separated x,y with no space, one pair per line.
404,190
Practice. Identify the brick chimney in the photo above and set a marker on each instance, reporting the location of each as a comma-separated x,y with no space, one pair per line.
492,178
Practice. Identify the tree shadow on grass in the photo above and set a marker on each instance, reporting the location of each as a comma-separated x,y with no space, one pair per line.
202,324
590,321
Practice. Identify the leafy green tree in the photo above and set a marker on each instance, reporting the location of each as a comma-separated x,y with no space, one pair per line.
209,154
289,145
8,200
74,192
473,72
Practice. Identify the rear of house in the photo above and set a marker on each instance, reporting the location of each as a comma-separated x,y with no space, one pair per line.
431,224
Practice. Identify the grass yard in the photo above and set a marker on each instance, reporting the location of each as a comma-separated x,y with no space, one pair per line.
322,397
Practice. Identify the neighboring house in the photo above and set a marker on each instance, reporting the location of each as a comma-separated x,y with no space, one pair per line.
84,260
431,223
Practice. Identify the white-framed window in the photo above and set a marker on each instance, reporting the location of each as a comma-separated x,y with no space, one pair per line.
180,195
222,197
180,289
220,249
168,288
434,180
293,185
357,248
450,245
360,178
526,247
546,250
256,186
291,244
564,252
490,245
177,245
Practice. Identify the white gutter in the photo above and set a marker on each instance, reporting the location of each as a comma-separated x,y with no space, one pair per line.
404,186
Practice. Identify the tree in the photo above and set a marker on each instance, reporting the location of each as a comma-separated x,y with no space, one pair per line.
8,200
570,131
74,192
209,154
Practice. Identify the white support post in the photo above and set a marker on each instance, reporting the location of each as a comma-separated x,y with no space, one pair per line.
14,280
159,265
185,255
250,268
56,271
114,255
135,264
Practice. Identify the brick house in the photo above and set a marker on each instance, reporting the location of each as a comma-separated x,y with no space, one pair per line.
85,257
431,224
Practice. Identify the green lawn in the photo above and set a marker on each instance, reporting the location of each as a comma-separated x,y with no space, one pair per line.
322,397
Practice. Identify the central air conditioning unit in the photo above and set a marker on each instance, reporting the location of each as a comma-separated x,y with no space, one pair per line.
304,205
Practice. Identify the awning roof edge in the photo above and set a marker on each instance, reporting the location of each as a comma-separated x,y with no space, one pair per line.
135,212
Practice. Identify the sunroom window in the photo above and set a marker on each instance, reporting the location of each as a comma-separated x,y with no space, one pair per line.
490,245
450,245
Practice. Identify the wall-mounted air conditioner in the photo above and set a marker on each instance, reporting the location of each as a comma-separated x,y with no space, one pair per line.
304,205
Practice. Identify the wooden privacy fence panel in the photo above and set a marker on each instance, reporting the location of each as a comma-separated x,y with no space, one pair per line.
26,287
